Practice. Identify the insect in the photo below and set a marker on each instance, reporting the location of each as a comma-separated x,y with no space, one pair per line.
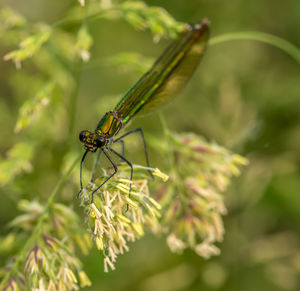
167,76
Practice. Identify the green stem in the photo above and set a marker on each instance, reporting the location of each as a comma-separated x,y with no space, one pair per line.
168,135
91,17
276,41
170,152
163,123
38,228
166,132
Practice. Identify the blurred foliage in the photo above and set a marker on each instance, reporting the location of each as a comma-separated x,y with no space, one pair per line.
245,95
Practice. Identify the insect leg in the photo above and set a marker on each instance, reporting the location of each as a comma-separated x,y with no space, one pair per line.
123,146
115,168
121,141
144,143
96,164
81,165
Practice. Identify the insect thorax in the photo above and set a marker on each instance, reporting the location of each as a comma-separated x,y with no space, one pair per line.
109,125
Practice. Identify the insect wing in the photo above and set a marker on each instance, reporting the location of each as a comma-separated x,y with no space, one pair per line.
168,75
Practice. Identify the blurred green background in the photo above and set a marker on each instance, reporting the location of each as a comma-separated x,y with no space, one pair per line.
245,95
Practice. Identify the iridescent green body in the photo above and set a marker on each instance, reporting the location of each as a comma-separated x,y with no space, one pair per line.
110,124
168,75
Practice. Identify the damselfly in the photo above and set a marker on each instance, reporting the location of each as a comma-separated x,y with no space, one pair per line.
167,76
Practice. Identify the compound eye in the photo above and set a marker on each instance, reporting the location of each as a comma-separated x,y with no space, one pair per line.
82,135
